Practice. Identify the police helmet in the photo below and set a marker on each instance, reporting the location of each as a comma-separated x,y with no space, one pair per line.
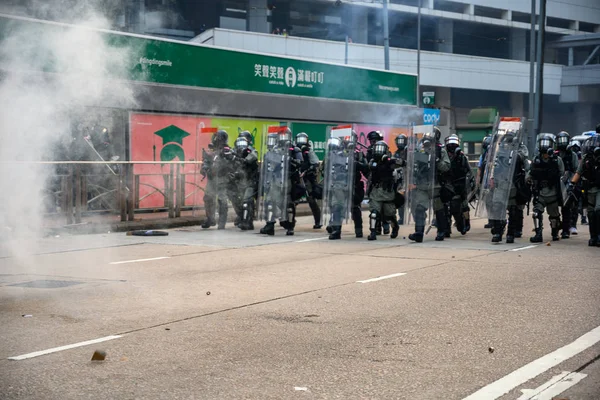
335,144
401,141
425,143
241,144
246,135
452,143
374,136
437,134
486,142
574,145
220,138
562,140
272,140
301,139
285,136
381,148
592,146
545,143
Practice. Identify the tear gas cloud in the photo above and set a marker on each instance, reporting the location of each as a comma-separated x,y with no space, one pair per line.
37,110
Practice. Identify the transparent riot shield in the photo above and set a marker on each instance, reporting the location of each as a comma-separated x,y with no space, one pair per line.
338,181
419,180
500,166
274,188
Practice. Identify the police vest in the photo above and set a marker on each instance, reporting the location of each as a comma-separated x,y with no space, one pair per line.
567,159
591,170
547,173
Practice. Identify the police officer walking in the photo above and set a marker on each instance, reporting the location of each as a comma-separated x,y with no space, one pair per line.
382,193
218,169
571,162
589,170
400,156
545,176
460,179
308,172
246,174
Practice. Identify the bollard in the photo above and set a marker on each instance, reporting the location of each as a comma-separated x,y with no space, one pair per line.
77,194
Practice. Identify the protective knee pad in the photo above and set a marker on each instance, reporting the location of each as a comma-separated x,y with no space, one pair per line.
270,214
374,218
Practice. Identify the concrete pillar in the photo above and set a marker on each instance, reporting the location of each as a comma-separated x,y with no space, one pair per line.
517,105
571,57
444,35
469,9
256,18
359,26
518,44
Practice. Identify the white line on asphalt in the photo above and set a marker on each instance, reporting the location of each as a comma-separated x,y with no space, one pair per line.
61,348
140,260
311,240
524,248
382,278
504,385
553,387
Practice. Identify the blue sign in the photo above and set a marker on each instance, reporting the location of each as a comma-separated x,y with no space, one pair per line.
431,116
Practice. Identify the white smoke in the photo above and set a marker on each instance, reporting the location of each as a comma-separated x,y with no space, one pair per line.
38,109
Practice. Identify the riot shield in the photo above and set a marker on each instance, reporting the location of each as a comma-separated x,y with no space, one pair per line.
500,166
338,180
274,188
419,180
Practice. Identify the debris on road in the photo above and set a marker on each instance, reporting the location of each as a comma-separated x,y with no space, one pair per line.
27,315
99,355
208,293
491,349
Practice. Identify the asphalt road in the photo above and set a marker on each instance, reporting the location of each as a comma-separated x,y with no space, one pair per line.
237,315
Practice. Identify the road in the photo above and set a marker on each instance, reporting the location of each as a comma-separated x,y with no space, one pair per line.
229,314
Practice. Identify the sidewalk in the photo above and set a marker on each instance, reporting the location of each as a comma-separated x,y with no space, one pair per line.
103,223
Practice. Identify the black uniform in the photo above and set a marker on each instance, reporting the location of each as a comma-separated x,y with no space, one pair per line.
361,171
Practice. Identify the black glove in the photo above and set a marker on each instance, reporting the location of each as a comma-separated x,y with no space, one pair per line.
438,152
570,187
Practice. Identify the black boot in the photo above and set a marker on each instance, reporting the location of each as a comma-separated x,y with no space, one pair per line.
442,225
555,228
316,211
418,235
488,225
593,226
395,229
537,238
358,232
336,233
497,231
386,228
208,223
268,229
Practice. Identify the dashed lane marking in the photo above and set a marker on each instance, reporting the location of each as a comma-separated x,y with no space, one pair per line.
61,348
140,260
382,278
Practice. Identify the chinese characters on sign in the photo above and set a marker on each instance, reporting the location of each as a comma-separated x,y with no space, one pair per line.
290,77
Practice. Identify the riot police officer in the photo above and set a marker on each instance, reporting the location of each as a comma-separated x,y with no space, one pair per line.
373,137
308,171
218,161
571,162
246,162
338,184
428,162
460,179
485,144
400,157
589,170
382,195
280,181
546,172
361,170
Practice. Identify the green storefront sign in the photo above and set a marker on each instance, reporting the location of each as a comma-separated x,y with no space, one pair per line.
179,63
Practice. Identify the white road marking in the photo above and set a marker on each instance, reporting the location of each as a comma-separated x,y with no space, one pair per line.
382,278
312,240
61,348
553,387
504,385
524,248
140,260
